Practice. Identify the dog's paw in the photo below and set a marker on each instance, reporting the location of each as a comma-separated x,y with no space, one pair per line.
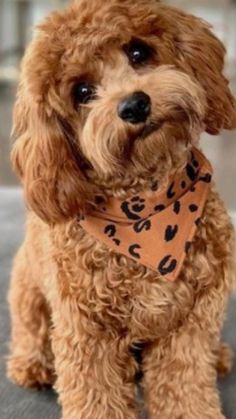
29,373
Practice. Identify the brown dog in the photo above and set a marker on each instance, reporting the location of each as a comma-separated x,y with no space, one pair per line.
78,306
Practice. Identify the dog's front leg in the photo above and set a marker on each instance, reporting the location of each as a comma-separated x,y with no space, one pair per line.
95,372
180,371
30,363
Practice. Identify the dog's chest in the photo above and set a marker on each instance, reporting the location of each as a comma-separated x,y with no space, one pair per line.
119,295
139,303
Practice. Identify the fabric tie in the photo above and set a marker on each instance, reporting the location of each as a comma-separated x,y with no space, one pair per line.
156,228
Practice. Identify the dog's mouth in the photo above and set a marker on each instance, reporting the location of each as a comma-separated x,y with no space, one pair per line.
149,129
146,130
154,126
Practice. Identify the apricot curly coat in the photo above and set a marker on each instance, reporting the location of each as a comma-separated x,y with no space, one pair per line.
78,307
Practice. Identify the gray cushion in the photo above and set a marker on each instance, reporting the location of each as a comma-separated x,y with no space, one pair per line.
16,403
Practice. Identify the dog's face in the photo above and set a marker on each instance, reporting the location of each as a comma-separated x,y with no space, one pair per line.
111,90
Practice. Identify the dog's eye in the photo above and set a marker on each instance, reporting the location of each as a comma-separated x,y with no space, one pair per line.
83,92
138,52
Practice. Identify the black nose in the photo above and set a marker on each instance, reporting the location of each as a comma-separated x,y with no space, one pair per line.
135,108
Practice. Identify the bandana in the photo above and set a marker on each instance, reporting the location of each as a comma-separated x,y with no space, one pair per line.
156,228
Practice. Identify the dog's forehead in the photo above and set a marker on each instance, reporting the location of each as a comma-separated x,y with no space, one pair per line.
97,12
95,22
86,34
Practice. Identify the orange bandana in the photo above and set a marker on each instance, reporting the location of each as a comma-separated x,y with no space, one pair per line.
156,228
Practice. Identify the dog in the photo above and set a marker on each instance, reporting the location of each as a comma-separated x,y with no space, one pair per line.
112,100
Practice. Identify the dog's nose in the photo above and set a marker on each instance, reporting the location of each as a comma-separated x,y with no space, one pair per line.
135,108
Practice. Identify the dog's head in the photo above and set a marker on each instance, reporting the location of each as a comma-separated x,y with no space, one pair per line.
111,90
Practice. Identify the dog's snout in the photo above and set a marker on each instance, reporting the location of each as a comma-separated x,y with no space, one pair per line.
135,108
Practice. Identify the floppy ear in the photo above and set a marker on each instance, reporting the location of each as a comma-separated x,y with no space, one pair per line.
54,186
202,54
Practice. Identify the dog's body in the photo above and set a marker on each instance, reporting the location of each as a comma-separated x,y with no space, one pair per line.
71,293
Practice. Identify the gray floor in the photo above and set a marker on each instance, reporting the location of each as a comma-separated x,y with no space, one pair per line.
16,403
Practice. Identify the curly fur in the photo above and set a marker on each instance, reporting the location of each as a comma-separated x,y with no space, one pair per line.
77,307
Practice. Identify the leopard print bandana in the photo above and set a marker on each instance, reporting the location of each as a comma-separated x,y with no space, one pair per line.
156,228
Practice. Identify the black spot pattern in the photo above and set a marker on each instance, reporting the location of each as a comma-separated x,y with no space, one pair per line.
138,207
167,265
131,210
206,178
177,207
133,250
194,161
110,230
190,172
138,199
142,225
159,208
170,192
170,232
193,208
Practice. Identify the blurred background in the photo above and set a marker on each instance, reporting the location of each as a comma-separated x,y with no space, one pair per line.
17,18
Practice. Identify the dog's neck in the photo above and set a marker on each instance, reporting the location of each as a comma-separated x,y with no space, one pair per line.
136,179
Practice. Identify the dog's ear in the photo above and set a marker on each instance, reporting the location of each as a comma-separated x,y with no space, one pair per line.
200,52
55,187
